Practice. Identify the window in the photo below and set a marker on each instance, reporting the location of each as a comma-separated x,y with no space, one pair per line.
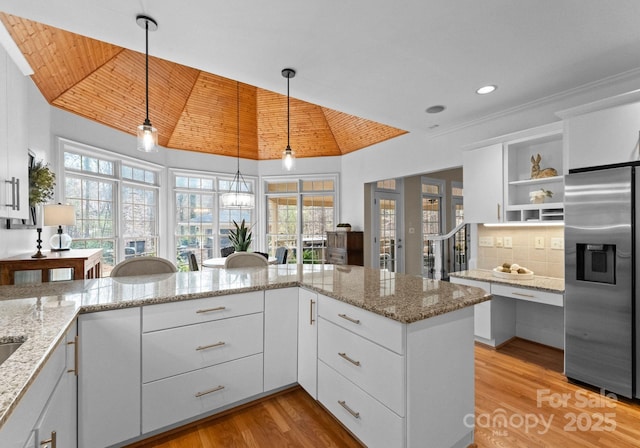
299,212
432,221
201,227
116,202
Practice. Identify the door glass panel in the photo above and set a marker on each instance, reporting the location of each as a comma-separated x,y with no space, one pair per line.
317,218
388,243
282,224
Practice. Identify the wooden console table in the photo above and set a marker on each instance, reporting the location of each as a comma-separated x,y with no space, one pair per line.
84,262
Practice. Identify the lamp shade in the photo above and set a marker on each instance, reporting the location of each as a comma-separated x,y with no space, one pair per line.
59,215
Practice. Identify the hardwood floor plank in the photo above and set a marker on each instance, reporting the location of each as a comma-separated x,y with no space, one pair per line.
522,401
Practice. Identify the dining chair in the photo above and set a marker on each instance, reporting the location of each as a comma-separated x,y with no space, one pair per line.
245,259
281,254
143,266
226,251
193,262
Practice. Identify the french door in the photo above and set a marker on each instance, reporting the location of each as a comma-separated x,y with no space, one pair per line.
388,235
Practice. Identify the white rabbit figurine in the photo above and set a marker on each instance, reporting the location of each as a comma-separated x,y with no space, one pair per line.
537,173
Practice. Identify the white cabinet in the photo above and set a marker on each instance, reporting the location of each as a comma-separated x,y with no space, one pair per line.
540,147
603,133
48,406
374,372
494,321
109,380
482,180
308,341
200,355
14,171
280,337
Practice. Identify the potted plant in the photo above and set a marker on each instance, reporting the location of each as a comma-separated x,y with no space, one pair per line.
41,186
240,237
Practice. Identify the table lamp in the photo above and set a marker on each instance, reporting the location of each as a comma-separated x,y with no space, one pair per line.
59,215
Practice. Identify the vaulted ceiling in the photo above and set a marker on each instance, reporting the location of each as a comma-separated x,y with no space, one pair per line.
193,110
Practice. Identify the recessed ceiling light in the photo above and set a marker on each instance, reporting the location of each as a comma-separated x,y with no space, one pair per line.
435,109
486,89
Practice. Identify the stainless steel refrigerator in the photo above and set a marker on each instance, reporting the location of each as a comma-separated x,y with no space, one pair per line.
602,310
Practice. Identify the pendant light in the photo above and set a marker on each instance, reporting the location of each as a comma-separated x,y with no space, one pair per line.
239,194
288,155
147,134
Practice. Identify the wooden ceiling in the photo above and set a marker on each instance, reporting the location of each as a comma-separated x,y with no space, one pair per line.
192,110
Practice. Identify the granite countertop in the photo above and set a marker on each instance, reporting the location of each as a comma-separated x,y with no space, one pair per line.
540,283
40,315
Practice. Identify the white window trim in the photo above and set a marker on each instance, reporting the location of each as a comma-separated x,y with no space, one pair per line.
65,144
261,222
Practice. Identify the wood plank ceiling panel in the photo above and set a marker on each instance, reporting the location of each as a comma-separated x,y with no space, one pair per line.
209,122
310,132
115,94
192,110
58,58
353,133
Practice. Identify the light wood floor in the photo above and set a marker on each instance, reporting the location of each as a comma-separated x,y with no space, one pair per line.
522,382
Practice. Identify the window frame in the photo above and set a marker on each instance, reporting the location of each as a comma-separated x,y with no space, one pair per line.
118,160
300,194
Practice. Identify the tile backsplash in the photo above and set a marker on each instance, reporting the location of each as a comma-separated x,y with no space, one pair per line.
545,261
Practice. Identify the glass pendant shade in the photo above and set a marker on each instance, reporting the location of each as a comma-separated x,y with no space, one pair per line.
147,137
288,159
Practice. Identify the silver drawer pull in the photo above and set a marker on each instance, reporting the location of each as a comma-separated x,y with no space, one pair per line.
523,294
349,410
210,391
52,440
208,310
204,347
352,361
350,319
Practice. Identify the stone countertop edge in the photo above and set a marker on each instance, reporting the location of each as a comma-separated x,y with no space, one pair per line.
17,375
540,283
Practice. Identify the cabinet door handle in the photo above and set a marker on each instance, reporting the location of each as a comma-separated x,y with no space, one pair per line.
351,360
311,319
523,294
498,211
52,440
208,310
15,193
350,319
210,391
349,410
75,356
204,347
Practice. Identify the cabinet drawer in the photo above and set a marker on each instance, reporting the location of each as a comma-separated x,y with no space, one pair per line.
183,349
175,314
336,256
374,424
376,370
532,295
381,330
174,399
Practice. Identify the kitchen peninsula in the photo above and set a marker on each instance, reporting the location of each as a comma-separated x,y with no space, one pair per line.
390,355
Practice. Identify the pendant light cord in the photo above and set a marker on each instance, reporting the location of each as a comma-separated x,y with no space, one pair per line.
146,52
288,116
238,134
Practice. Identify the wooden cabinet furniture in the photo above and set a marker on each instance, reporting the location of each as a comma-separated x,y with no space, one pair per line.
345,248
86,263
14,170
308,341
